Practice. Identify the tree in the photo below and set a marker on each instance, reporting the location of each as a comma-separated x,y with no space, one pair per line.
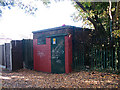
97,13
6,3
93,13
28,8
116,21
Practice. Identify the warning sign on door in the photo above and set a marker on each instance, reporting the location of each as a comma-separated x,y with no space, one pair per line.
54,40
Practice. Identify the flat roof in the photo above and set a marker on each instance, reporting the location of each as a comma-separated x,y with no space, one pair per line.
57,28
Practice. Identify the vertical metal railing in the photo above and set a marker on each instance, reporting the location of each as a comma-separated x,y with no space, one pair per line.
104,57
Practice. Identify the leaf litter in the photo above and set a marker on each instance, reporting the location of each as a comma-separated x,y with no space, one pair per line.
25,78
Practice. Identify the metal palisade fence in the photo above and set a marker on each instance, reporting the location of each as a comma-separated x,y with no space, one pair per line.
101,57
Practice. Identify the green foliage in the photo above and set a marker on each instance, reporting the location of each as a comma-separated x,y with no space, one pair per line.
6,3
28,8
96,14
116,33
98,11
46,2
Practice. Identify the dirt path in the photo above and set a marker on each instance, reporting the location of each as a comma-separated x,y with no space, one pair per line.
28,78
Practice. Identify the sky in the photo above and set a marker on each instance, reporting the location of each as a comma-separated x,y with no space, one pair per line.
17,25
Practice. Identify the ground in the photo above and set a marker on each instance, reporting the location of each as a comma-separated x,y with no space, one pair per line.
25,78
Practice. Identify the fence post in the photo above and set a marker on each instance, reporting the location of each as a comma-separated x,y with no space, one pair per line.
119,59
112,59
79,58
83,55
115,58
109,59
99,59
104,58
92,61
96,57
119,55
